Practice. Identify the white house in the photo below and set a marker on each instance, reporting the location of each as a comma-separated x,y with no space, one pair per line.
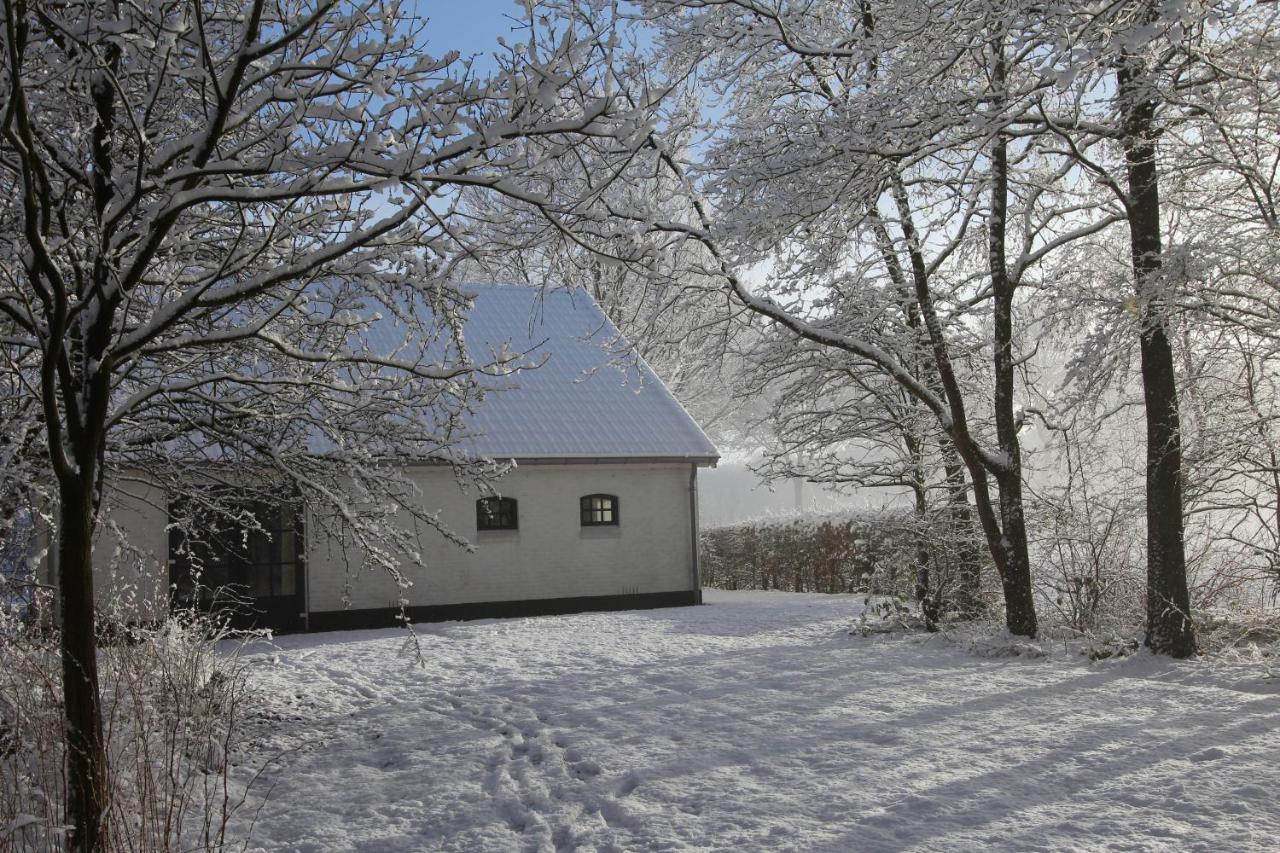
600,512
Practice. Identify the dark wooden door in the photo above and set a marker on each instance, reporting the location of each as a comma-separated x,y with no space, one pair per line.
252,574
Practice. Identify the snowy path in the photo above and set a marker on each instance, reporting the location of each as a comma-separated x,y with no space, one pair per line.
755,723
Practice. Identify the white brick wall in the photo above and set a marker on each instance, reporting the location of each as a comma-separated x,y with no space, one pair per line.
550,556
131,552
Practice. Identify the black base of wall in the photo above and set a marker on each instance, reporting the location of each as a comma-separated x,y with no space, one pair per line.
353,620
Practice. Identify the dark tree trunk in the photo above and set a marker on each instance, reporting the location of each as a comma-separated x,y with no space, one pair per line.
968,553
959,514
1016,578
85,387
912,441
86,752
926,597
1169,628
1020,615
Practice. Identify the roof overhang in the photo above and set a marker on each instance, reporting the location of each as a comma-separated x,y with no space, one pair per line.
700,461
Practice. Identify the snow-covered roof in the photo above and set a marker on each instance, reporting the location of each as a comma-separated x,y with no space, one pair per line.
581,393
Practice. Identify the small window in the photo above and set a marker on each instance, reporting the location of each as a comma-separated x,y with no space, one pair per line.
599,509
496,514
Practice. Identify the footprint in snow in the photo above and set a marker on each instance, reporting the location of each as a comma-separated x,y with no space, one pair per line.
629,783
585,769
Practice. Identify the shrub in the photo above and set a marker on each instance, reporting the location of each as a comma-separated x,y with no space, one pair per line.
832,555
175,697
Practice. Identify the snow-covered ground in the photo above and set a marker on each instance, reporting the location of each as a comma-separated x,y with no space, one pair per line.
755,723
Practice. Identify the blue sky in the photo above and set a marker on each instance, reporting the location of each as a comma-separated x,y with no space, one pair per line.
469,26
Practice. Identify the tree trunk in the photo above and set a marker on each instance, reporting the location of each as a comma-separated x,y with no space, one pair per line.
1019,610
86,751
1016,578
1169,628
968,555
925,596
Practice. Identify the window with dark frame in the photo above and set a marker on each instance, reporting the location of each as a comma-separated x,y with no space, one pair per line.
598,510
497,514
259,562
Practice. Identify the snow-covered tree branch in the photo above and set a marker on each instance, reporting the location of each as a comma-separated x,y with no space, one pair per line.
228,231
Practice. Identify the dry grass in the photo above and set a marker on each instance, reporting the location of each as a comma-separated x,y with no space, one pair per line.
175,698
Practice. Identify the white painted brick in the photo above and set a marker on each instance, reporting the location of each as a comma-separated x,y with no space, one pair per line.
550,556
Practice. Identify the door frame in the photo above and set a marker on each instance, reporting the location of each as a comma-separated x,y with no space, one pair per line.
280,614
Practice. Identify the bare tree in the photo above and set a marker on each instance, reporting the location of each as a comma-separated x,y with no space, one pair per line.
1182,87
1221,191
855,142
869,142
227,229
1169,628
677,319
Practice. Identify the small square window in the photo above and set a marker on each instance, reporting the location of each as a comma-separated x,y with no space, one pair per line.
599,510
497,514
